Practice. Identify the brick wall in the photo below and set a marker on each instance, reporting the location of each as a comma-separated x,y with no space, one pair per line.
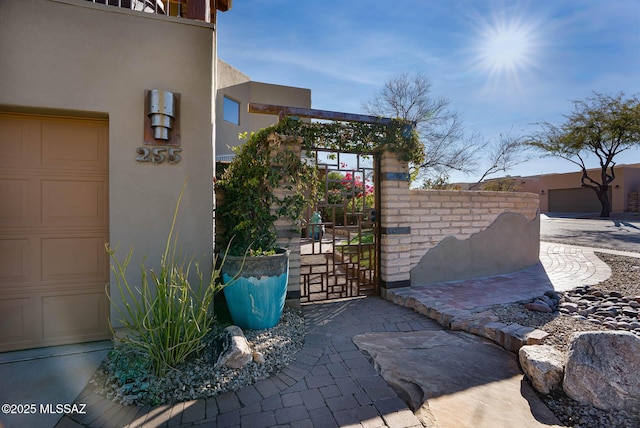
288,236
436,214
412,222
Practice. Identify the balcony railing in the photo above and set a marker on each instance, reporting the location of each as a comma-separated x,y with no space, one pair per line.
190,9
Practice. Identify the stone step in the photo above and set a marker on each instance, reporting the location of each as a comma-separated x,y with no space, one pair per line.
483,324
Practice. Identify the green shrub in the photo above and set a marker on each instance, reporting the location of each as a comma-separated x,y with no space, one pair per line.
267,180
501,185
166,317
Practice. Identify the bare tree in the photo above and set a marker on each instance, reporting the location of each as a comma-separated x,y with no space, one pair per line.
600,125
409,97
447,147
507,153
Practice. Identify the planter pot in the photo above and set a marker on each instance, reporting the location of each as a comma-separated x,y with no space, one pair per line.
256,297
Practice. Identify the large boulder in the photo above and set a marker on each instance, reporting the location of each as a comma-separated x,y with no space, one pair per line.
543,365
232,349
603,369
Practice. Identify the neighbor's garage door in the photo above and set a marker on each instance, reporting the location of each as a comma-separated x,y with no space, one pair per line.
53,226
580,200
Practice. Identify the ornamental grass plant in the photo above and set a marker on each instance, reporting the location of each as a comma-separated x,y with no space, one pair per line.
166,317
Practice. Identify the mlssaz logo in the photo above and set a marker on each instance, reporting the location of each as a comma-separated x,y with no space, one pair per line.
63,408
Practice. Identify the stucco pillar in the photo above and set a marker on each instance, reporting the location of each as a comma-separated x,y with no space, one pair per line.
395,229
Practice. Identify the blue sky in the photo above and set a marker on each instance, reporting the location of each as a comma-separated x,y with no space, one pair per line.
504,65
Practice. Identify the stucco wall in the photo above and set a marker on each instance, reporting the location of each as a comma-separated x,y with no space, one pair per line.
229,76
71,57
465,234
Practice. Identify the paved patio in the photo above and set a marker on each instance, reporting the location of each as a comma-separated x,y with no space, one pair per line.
331,383
561,267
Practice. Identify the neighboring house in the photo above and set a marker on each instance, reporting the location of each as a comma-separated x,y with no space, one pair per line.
235,91
81,163
564,192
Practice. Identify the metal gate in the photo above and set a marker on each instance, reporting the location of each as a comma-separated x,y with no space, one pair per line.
339,246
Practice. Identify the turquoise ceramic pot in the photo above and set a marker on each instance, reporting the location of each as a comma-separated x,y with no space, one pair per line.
256,297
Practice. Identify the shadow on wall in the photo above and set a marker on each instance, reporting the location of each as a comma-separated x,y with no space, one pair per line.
509,244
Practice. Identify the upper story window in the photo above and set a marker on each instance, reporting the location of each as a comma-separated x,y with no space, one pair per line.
231,111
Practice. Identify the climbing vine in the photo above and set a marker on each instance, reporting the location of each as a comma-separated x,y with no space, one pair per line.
397,136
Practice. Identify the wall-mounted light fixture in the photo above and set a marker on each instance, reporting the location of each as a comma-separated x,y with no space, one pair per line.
542,192
161,112
161,118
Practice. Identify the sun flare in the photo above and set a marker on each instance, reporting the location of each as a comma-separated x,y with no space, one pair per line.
506,49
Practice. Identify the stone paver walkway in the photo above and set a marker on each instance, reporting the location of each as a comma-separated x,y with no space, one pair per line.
332,383
561,267
568,266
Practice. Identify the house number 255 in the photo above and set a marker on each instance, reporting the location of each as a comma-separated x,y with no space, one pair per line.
158,154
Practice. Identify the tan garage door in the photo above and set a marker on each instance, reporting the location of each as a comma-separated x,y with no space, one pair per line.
579,200
53,225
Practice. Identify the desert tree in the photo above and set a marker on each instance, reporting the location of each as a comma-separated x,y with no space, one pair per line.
600,125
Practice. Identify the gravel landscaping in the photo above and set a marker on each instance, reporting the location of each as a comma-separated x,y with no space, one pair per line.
625,280
123,377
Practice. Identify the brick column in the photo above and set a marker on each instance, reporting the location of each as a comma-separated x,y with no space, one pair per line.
287,231
395,229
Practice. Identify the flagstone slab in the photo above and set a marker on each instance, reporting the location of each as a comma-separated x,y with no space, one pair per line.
454,379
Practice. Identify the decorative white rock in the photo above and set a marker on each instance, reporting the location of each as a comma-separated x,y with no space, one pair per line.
258,358
237,352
